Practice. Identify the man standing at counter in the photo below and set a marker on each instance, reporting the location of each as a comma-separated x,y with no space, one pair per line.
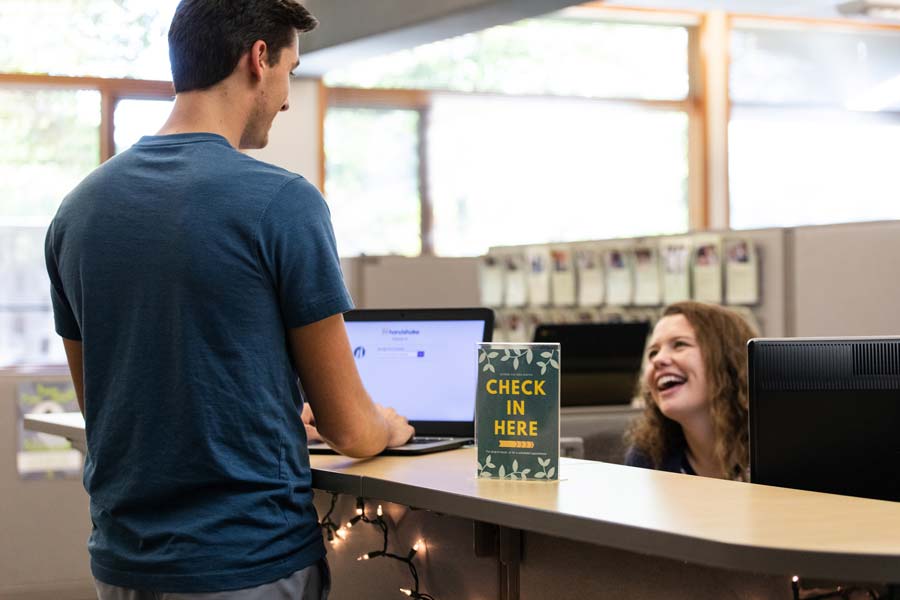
192,285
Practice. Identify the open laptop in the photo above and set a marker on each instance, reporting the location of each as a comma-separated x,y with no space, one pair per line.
422,363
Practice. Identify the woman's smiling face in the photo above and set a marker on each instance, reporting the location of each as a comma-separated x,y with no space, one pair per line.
675,373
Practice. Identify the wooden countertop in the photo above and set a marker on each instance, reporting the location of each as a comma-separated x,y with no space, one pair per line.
723,524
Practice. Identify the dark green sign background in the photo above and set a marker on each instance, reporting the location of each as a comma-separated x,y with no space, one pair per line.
504,453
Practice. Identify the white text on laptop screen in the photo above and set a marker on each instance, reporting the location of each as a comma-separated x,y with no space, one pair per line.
425,370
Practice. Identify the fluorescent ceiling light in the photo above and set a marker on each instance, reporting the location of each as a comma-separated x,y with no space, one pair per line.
880,9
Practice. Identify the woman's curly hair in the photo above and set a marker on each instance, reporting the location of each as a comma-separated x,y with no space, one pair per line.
722,337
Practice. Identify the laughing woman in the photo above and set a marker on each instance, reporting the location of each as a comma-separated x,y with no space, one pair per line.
694,388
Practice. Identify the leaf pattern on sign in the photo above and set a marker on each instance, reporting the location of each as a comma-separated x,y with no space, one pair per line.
550,361
545,473
485,357
512,472
517,357
485,469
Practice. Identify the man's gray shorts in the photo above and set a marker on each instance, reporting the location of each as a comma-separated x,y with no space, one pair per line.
311,583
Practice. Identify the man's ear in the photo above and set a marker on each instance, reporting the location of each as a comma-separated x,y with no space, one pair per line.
258,59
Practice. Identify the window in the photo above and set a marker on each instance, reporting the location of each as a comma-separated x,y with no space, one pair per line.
818,113
372,180
126,38
137,118
549,55
50,143
508,171
518,144
812,167
55,132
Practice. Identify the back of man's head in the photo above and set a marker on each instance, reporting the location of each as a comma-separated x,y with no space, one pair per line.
208,37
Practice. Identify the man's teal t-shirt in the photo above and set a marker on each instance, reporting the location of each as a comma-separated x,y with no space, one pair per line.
180,265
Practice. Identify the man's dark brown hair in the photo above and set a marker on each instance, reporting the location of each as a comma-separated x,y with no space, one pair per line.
208,37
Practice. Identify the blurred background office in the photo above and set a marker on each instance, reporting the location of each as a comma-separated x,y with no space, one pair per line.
440,130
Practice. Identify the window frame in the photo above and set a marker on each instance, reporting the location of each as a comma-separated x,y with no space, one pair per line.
111,92
736,20
693,106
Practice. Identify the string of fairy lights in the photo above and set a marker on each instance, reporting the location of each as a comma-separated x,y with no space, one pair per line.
337,533
840,592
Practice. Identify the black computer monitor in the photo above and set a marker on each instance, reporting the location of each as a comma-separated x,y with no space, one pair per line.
825,415
601,362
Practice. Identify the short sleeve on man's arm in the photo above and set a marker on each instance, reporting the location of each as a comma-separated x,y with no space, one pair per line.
63,315
298,251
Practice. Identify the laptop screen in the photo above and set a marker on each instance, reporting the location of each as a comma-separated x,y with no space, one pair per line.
425,369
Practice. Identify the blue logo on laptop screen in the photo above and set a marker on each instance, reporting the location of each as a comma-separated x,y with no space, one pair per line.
359,352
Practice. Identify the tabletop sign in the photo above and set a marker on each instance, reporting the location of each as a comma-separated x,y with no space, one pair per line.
517,411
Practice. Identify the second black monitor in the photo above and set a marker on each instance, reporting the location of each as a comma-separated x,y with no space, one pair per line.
601,362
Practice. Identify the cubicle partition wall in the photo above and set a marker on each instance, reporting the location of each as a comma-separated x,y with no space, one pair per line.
44,521
813,281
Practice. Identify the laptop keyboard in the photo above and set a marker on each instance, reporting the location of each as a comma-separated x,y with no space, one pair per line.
422,439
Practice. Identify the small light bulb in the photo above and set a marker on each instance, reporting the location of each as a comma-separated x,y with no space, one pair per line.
359,511
379,512
418,545
349,524
795,579
406,591
363,557
342,533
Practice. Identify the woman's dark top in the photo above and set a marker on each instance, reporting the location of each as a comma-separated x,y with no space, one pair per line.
675,461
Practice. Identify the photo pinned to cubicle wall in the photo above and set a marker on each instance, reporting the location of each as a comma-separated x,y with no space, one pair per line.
490,278
511,326
562,277
591,280
676,256
515,289
741,272
587,315
41,456
538,258
533,318
560,316
619,288
647,280
707,269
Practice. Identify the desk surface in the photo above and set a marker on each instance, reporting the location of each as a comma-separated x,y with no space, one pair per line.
723,524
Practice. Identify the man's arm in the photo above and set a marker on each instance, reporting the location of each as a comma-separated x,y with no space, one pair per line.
76,368
346,417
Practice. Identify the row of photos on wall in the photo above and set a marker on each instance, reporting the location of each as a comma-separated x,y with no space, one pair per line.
615,280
